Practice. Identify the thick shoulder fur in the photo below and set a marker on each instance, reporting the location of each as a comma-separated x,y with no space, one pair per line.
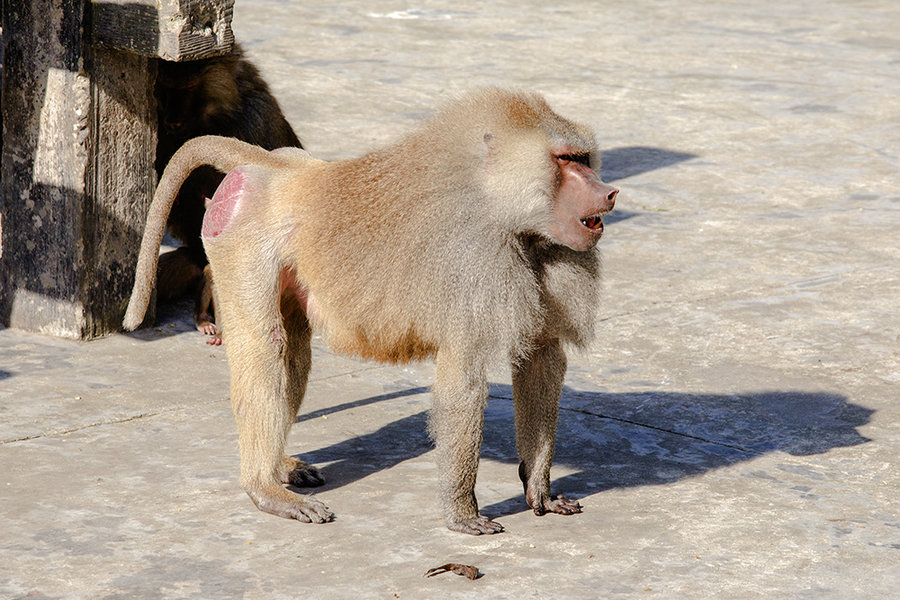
570,291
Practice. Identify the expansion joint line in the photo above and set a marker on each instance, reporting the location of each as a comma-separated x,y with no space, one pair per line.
663,430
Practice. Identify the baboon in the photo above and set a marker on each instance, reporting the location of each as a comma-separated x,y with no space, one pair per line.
222,95
471,240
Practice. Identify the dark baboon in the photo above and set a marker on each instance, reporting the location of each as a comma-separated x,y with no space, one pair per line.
223,95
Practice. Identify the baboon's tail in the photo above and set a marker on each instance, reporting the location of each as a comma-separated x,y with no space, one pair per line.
224,154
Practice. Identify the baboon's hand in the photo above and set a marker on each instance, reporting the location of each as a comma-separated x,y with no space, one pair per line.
298,473
557,504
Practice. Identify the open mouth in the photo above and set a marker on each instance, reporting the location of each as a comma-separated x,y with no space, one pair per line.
594,222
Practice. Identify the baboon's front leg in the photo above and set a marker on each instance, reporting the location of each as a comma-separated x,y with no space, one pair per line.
457,417
298,359
537,385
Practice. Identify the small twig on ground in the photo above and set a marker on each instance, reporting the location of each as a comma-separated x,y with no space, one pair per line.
467,571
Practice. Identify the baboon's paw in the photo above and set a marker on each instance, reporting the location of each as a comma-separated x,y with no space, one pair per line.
559,505
283,503
476,526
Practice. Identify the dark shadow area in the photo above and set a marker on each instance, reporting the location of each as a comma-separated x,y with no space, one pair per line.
393,443
5,374
361,456
655,438
621,163
619,440
171,318
316,414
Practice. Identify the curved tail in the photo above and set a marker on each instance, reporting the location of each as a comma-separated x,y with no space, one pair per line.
224,154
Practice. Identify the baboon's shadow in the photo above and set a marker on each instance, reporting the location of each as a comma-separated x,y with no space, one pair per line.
619,440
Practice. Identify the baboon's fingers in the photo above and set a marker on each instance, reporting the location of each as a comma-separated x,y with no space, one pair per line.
559,505
477,526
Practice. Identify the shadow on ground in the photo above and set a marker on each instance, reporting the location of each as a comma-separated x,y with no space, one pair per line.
628,161
619,440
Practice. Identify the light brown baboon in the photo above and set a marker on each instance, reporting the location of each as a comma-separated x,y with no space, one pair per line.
471,240
223,95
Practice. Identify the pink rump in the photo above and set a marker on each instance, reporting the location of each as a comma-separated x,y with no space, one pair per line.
225,203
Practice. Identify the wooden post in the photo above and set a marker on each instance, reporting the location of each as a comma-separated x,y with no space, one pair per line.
79,143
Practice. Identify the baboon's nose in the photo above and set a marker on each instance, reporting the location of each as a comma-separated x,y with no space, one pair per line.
611,198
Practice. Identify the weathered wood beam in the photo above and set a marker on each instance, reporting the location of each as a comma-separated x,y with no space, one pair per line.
169,29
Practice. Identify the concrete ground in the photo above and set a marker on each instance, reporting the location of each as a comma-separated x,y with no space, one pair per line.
733,433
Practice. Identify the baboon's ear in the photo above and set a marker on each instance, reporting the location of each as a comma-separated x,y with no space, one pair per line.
488,150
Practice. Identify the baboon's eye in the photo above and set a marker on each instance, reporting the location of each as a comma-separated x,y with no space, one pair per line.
584,159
